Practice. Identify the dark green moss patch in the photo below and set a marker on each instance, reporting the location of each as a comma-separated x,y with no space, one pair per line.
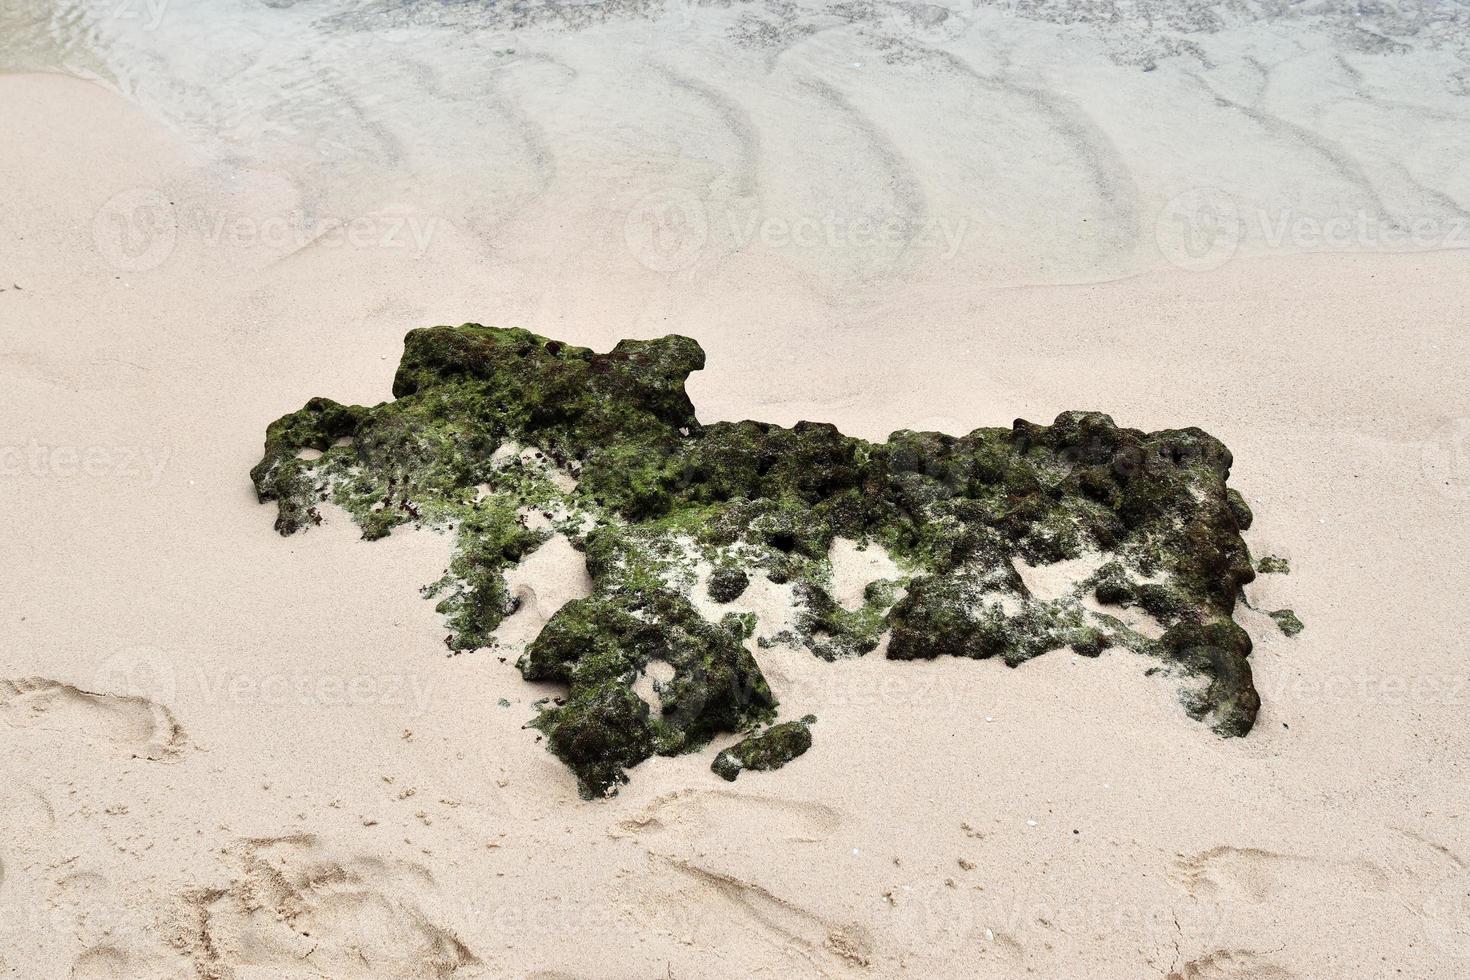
598,646
1273,565
771,749
504,438
727,583
1287,622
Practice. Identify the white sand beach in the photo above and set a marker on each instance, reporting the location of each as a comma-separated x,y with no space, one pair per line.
231,754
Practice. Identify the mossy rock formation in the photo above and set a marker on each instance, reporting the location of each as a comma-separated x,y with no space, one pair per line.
675,518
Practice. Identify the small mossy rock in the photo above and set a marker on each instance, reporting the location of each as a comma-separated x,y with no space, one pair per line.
727,583
599,732
1111,585
1273,565
598,645
491,427
771,749
1217,650
1287,622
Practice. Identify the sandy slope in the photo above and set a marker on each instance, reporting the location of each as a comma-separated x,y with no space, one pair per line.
244,758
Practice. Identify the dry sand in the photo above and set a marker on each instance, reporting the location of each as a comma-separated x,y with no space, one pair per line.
233,755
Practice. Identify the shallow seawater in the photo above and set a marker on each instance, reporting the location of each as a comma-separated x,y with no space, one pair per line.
855,144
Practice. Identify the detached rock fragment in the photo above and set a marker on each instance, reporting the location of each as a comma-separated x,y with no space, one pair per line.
771,749
1287,622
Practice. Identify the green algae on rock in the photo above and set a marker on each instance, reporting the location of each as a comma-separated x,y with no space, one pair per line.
678,519
1273,565
599,645
727,583
771,749
1287,622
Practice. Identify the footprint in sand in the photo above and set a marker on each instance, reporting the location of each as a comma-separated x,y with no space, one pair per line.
690,831
1257,874
706,814
1260,876
28,814
1230,964
1446,906
296,910
27,807
142,727
103,963
114,926
754,911
109,962
84,901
